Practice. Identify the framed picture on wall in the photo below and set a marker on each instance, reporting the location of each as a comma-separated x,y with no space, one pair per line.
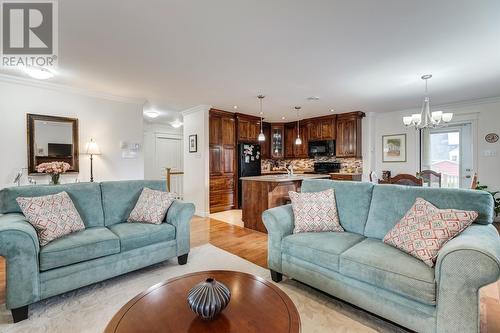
394,148
193,143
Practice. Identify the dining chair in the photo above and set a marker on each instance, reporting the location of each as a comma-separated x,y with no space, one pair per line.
403,179
430,177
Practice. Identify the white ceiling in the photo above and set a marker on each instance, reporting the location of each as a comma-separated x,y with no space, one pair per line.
355,55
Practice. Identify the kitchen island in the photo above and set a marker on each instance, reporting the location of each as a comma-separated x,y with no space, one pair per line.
263,192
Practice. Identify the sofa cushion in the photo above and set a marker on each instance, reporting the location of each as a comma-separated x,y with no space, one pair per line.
53,216
315,211
320,248
151,207
85,196
424,230
353,200
384,266
136,235
120,197
391,202
80,246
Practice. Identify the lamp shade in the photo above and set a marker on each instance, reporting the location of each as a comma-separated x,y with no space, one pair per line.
92,148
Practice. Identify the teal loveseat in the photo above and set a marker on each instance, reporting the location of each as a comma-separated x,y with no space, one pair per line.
106,248
359,268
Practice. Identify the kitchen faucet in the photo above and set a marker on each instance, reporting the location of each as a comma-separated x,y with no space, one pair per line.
289,169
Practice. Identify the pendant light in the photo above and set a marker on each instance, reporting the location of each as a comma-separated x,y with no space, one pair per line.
261,136
298,141
426,118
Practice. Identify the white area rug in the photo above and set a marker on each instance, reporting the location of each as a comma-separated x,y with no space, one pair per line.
88,310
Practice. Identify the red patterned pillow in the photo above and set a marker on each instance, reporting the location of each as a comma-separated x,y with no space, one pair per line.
151,206
424,229
315,211
53,216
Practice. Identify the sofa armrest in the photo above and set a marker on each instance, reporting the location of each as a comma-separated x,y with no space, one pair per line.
279,222
20,247
179,215
464,265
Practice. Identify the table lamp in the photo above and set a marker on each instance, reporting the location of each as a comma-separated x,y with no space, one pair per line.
92,149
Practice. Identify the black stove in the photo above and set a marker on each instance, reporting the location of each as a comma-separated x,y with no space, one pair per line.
327,167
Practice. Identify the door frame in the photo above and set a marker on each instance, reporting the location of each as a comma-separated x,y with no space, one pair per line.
170,136
463,119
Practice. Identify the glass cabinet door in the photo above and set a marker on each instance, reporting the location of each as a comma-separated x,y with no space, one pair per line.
277,141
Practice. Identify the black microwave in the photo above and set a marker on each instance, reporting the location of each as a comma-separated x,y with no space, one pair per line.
322,148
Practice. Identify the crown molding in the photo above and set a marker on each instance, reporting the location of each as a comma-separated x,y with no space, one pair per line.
198,108
70,89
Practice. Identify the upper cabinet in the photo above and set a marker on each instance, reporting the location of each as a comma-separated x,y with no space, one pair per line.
277,140
291,149
265,147
248,127
322,128
348,142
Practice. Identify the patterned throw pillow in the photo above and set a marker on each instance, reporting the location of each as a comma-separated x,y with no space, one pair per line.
151,207
424,229
315,211
53,216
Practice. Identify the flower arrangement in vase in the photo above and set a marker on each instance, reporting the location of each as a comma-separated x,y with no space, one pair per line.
53,169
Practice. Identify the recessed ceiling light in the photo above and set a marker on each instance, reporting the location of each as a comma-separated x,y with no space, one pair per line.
283,118
332,110
176,123
151,114
261,112
39,73
235,107
313,98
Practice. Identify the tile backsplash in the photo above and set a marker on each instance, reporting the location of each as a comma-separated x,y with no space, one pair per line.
307,164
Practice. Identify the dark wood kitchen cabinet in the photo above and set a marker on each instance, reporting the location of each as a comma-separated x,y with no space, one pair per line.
248,128
265,147
291,149
277,140
349,141
321,128
222,160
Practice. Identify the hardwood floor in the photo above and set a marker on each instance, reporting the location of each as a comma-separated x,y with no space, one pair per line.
252,246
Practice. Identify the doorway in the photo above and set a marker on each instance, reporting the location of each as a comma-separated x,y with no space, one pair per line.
448,151
168,154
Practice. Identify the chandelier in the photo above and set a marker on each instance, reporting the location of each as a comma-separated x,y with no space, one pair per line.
426,118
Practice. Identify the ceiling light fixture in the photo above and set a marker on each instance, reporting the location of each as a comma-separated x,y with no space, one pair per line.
152,114
39,73
298,141
283,118
426,118
176,123
261,136
235,107
332,110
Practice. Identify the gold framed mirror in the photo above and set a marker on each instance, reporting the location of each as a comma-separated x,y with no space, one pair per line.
52,138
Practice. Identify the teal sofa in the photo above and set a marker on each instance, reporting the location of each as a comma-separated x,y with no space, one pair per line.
106,248
359,268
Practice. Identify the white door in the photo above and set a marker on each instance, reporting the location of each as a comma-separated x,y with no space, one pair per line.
168,154
448,151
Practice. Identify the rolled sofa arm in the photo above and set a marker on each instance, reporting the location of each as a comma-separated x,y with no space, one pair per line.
20,247
179,215
279,222
464,265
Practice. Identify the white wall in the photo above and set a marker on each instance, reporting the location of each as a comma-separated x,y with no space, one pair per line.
196,168
485,115
151,131
107,121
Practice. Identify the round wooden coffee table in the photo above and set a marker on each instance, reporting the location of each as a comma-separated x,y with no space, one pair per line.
256,306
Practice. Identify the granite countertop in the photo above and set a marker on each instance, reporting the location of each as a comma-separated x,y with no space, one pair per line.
284,178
